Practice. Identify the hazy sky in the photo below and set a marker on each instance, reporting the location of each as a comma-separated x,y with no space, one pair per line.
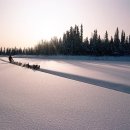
25,22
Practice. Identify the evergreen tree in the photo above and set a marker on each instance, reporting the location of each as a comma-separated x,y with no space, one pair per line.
106,37
129,45
4,51
129,39
106,44
111,46
122,44
127,51
86,47
1,51
77,41
81,33
95,43
99,46
64,44
116,40
122,37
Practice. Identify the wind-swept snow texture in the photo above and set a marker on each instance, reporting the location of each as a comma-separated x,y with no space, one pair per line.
65,95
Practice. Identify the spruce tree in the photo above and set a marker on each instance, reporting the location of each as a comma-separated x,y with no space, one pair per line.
111,46
106,44
81,33
1,51
122,44
86,47
127,45
95,42
122,37
106,37
116,40
129,39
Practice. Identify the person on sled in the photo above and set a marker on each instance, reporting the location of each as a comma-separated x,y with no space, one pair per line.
11,59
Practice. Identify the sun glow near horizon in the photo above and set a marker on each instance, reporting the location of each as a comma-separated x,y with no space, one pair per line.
25,22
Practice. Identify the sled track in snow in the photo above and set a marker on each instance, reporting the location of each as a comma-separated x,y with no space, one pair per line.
4,60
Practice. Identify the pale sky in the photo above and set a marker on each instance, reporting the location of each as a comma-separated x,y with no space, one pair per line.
23,23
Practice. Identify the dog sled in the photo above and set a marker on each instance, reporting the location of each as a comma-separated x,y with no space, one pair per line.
34,66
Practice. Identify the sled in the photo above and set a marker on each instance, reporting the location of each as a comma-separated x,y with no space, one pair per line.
34,66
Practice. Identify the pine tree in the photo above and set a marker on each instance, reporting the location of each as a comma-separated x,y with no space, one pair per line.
129,39
116,40
95,36
4,51
99,46
95,42
122,43
77,41
111,46
106,37
1,51
122,37
107,45
81,33
86,46
127,45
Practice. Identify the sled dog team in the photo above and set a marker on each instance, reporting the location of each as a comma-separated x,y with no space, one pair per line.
35,67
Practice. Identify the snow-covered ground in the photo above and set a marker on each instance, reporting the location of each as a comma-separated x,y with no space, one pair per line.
65,94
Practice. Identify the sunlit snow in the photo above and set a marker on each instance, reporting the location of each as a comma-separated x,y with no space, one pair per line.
65,94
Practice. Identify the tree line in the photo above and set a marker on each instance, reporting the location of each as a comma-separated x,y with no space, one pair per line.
72,43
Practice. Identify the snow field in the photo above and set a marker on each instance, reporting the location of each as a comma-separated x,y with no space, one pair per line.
34,100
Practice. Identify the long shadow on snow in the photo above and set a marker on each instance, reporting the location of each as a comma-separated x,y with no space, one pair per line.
105,84
100,68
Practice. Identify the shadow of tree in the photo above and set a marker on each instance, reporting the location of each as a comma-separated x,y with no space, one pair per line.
101,83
